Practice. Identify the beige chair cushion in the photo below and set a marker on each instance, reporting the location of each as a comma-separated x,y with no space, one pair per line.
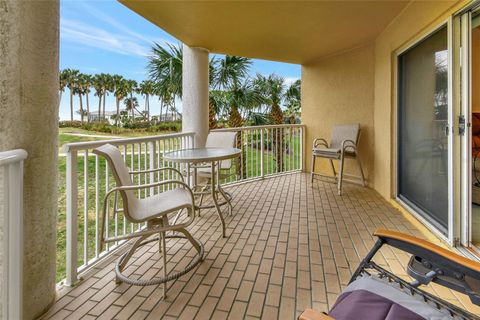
344,132
160,204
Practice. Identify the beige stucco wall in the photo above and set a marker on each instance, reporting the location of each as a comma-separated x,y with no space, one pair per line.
337,90
359,86
417,19
28,120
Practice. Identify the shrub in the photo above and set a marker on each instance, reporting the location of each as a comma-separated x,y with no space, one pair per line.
101,127
166,126
72,124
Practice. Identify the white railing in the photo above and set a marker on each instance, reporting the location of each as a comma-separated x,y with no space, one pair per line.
88,180
11,233
266,151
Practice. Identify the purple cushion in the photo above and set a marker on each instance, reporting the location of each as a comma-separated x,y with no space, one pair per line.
363,304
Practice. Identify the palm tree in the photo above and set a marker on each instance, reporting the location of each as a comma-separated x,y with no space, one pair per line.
273,91
63,79
120,92
293,101
165,69
131,104
70,77
229,73
99,87
78,90
84,83
216,104
147,88
272,88
109,87
131,87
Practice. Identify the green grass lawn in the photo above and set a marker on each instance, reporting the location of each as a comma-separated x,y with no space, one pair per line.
88,213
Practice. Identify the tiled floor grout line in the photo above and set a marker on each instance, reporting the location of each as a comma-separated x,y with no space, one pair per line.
278,223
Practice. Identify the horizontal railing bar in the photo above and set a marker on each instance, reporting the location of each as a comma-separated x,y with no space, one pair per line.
93,144
11,156
270,126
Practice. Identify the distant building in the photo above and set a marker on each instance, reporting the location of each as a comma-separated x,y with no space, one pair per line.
93,116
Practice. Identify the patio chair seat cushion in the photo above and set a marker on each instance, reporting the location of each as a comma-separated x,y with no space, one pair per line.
375,299
160,204
327,152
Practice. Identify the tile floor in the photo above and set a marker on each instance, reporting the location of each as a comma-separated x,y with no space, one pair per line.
289,246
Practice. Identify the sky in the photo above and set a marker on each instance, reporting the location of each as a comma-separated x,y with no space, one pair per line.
104,36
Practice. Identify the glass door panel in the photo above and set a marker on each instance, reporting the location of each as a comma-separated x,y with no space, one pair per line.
423,147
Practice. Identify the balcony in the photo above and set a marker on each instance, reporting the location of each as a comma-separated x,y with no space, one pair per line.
290,245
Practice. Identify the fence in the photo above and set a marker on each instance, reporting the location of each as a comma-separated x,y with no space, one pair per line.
11,222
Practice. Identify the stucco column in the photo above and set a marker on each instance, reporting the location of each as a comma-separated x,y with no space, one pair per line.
195,93
29,48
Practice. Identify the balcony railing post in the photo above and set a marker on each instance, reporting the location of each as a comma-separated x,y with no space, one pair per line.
11,162
302,148
262,169
72,218
152,151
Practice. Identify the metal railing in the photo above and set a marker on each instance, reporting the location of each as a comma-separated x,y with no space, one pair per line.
11,225
266,151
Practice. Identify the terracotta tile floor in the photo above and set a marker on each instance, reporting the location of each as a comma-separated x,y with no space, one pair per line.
290,246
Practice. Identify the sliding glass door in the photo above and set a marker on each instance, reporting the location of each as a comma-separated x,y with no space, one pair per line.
423,129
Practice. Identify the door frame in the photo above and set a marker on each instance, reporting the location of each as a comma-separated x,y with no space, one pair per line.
466,110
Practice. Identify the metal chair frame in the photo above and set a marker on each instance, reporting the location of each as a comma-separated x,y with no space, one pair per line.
348,149
158,224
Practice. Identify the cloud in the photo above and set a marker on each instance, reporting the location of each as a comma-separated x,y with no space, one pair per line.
290,80
123,29
115,23
78,32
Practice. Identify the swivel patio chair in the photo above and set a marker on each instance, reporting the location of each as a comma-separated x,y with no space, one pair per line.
217,140
153,211
344,144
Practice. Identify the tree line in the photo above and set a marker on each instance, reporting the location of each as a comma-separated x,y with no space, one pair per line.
235,96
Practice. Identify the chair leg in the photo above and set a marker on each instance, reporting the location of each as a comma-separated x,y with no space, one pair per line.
125,260
340,175
361,170
313,167
333,169
190,238
164,258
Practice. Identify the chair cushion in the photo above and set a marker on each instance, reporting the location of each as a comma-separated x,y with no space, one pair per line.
326,152
159,204
375,299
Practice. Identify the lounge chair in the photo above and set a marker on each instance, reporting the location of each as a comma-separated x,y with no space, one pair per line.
377,294
344,144
153,211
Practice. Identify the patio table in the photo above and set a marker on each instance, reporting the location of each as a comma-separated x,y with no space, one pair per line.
207,155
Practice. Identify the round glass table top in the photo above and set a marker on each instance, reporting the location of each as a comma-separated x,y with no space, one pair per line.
202,154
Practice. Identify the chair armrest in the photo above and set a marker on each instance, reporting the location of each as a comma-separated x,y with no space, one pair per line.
320,142
152,185
398,239
158,170
349,144
136,187
310,314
